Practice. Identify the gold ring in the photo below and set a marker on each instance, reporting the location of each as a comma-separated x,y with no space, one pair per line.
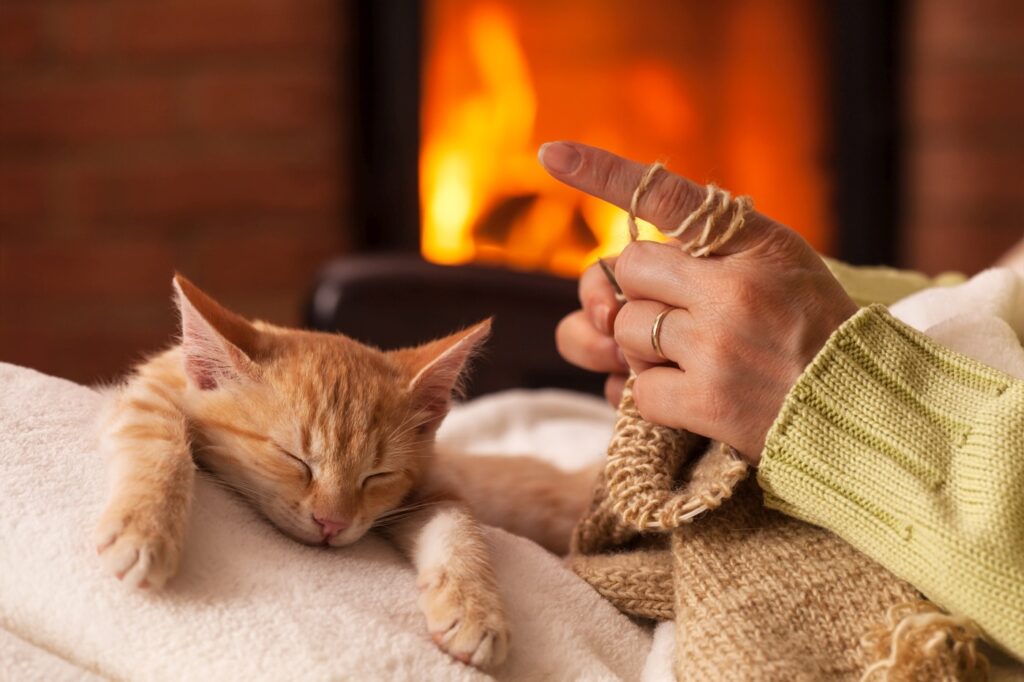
656,332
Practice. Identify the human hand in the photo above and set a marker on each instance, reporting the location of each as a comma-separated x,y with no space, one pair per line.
744,323
584,337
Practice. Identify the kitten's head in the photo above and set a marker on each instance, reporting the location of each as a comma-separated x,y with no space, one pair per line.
321,433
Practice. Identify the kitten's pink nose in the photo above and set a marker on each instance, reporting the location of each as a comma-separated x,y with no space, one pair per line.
331,527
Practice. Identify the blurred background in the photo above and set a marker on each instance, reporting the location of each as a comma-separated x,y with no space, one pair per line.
322,162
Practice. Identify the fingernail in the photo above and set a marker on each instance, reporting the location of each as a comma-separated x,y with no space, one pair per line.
600,318
559,157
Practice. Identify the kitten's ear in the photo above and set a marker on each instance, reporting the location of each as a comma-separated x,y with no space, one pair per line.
437,368
217,344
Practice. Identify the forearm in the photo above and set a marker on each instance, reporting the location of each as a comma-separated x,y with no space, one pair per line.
913,454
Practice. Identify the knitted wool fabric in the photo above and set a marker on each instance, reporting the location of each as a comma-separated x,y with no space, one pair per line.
762,596
756,595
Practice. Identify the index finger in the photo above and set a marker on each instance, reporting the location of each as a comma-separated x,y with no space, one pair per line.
666,203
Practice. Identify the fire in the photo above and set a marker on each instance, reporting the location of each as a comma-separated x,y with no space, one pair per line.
485,198
502,77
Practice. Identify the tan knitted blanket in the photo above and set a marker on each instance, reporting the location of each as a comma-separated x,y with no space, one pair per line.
755,595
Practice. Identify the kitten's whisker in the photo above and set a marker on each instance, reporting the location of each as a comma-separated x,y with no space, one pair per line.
244,490
407,509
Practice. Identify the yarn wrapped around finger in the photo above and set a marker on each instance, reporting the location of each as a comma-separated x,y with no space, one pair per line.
723,215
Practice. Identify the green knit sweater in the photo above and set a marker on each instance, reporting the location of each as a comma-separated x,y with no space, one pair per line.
912,453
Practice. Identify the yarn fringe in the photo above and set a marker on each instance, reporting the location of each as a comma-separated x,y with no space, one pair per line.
919,641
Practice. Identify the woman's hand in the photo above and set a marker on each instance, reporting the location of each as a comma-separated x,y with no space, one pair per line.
742,326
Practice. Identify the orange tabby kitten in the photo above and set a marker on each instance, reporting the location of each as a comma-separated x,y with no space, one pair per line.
326,437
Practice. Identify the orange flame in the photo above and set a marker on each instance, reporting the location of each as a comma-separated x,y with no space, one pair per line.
484,195
747,122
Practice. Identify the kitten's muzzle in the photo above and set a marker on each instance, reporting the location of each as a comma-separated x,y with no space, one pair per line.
329,527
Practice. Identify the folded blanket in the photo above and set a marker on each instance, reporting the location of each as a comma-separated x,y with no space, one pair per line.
251,604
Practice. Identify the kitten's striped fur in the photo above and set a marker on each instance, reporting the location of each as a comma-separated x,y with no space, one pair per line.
327,438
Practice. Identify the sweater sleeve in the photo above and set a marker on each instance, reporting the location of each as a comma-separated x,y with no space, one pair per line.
915,455
879,284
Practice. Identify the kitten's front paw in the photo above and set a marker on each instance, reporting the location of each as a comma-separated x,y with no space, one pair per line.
465,618
138,546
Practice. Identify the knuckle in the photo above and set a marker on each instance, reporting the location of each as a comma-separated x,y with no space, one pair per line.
642,394
606,172
634,265
624,322
780,249
655,400
671,198
627,260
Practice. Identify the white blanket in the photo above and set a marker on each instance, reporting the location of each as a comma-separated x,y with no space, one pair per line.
251,604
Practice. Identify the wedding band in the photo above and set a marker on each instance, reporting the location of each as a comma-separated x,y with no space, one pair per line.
656,332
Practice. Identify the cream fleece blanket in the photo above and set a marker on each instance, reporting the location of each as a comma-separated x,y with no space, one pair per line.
250,604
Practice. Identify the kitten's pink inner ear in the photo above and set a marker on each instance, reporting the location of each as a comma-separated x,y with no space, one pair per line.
216,343
441,364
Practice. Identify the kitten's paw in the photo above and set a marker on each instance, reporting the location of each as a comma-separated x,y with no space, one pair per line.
465,618
137,546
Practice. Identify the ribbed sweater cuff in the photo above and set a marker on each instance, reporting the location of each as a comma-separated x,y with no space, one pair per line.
901,447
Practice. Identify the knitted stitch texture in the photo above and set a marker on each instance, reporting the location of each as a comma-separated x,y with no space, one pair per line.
761,596
912,453
755,595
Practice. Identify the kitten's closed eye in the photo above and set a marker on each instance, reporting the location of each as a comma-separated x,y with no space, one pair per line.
309,471
375,477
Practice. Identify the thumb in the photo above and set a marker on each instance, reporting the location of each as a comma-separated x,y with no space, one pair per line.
667,202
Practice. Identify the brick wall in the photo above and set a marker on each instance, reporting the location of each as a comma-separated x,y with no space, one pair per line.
965,132
140,138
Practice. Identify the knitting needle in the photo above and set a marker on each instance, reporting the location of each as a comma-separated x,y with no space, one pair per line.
619,296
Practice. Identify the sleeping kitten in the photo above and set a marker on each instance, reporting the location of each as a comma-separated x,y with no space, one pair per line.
326,437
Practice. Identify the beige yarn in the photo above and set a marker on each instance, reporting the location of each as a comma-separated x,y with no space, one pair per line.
643,461
634,203
918,630
717,203
755,595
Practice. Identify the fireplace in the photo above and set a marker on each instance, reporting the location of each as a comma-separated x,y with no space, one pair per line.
791,101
